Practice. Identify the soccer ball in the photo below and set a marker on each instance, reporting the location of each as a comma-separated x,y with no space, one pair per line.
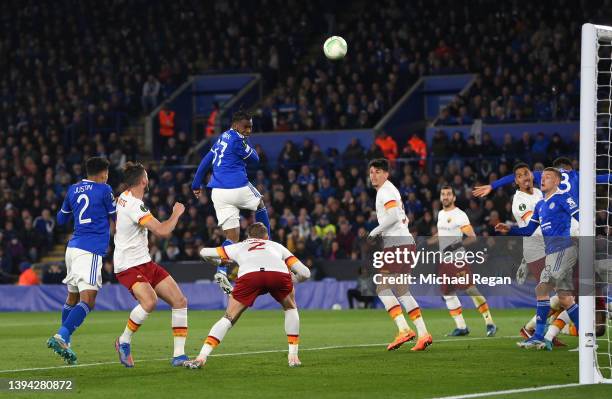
335,48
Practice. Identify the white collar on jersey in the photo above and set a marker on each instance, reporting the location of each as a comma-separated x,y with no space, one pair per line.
89,181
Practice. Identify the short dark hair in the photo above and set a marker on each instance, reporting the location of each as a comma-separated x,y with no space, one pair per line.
518,166
241,115
448,187
132,173
553,170
379,163
562,161
257,230
96,165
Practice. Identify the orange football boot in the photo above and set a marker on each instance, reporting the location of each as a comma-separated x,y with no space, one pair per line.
400,339
422,343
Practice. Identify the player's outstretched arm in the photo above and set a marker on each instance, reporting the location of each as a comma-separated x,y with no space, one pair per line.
605,178
205,163
164,229
517,231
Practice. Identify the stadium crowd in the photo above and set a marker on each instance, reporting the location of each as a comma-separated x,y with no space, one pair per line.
525,58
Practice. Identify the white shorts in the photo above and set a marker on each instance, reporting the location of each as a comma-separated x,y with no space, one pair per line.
229,201
84,270
559,269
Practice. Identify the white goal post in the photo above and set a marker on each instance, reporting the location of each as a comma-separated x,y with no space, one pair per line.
595,353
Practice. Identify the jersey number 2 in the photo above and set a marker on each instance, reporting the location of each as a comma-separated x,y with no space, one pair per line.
83,197
257,245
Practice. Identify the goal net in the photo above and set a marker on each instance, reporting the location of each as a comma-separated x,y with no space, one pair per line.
595,259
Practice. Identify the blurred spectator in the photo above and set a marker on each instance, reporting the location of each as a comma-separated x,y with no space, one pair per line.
150,93
30,274
387,145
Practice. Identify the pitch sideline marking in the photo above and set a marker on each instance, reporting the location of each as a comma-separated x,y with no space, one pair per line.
322,348
510,391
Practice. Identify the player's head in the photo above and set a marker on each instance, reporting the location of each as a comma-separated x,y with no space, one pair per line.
242,122
523,176
135,176
563,163
551,177
447,196
379,171
97,169
257,230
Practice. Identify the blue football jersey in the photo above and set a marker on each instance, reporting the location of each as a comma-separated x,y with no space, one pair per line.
230,154
554,216
91,204
569,183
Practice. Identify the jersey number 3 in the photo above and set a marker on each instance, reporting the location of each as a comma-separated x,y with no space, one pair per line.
83,197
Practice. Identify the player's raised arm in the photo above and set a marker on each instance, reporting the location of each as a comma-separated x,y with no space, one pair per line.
163,229
205,164
605,178
483,191
65,212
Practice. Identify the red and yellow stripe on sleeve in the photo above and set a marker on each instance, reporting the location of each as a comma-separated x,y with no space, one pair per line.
222,254
527,216
290,261
144,219
390,204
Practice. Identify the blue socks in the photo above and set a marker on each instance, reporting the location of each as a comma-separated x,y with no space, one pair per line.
223,268
573,314
261,215
65,312
542,310
74,319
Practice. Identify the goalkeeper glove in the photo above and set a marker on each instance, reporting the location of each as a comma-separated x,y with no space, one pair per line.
223,282
521,273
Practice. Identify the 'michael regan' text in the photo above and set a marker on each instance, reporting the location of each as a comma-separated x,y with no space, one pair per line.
442,279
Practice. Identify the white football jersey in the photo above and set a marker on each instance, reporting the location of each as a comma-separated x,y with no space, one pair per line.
131,237
388,197
254,255
451,225
523,205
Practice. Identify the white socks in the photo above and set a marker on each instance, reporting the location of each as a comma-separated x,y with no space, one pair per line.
179,330
292,329
454,307
137,316
215,336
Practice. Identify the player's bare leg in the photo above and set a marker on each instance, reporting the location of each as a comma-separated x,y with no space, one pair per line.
393,307
232,234
169,291
480,302
147,300
217,332
292,328
414,312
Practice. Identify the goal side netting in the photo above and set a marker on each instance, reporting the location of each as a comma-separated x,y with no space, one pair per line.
595,242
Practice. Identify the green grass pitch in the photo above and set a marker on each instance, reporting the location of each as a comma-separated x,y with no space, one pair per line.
343,355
